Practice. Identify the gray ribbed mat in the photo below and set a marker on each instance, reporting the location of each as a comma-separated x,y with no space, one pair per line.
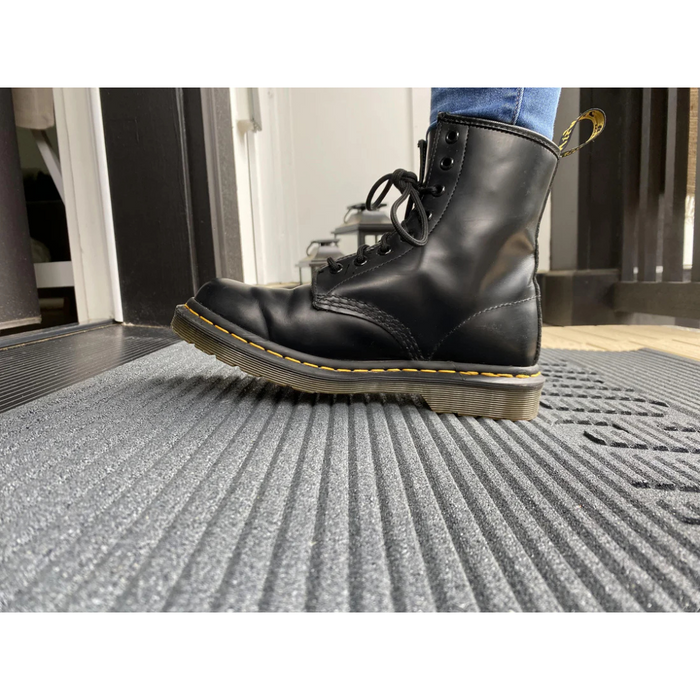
37,366
176,483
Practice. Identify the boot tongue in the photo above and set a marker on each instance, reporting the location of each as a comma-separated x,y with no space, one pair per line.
430,144
431,140
412,222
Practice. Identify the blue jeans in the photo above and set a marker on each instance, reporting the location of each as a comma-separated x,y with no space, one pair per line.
533,108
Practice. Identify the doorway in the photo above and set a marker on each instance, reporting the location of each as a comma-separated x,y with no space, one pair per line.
57,266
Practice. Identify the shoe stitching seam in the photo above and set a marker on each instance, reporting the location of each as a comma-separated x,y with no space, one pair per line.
382,369
468,121
469,318
518,106
376,315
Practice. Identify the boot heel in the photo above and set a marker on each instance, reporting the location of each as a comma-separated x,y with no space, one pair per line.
486,402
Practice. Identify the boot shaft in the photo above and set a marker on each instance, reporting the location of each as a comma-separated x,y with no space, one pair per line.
496,179
477,269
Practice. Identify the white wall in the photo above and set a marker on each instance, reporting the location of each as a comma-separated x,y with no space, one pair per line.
343,141
240,112
321,149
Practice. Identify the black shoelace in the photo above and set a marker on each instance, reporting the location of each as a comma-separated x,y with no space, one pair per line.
412,188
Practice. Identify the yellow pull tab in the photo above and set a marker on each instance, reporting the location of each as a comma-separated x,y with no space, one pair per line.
597,116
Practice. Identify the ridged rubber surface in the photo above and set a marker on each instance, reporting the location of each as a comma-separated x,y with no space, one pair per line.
177,483
35,369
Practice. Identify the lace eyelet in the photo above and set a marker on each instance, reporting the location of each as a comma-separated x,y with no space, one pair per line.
429,214
452,136
439,190
337,270
447,163
386,252
360,264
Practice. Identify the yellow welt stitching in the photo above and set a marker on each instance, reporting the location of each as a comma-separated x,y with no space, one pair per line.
332,369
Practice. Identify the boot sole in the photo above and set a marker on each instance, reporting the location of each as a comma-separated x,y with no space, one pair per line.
466,390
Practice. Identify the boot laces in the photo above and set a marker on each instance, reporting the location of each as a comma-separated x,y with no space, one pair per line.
412,188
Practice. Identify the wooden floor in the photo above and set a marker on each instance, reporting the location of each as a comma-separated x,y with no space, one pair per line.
673,339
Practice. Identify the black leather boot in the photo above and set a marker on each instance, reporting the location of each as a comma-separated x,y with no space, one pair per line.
447,306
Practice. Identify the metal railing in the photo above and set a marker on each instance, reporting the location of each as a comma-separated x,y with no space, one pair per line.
655,158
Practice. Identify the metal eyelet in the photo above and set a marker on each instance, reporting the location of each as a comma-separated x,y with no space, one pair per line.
439,190
452,136
429,214
360,264
446,163
388,250
337,270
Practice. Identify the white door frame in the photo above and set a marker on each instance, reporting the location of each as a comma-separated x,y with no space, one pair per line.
264,177
88,204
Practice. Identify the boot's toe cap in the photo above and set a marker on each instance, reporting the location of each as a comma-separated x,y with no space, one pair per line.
287,318
236,302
